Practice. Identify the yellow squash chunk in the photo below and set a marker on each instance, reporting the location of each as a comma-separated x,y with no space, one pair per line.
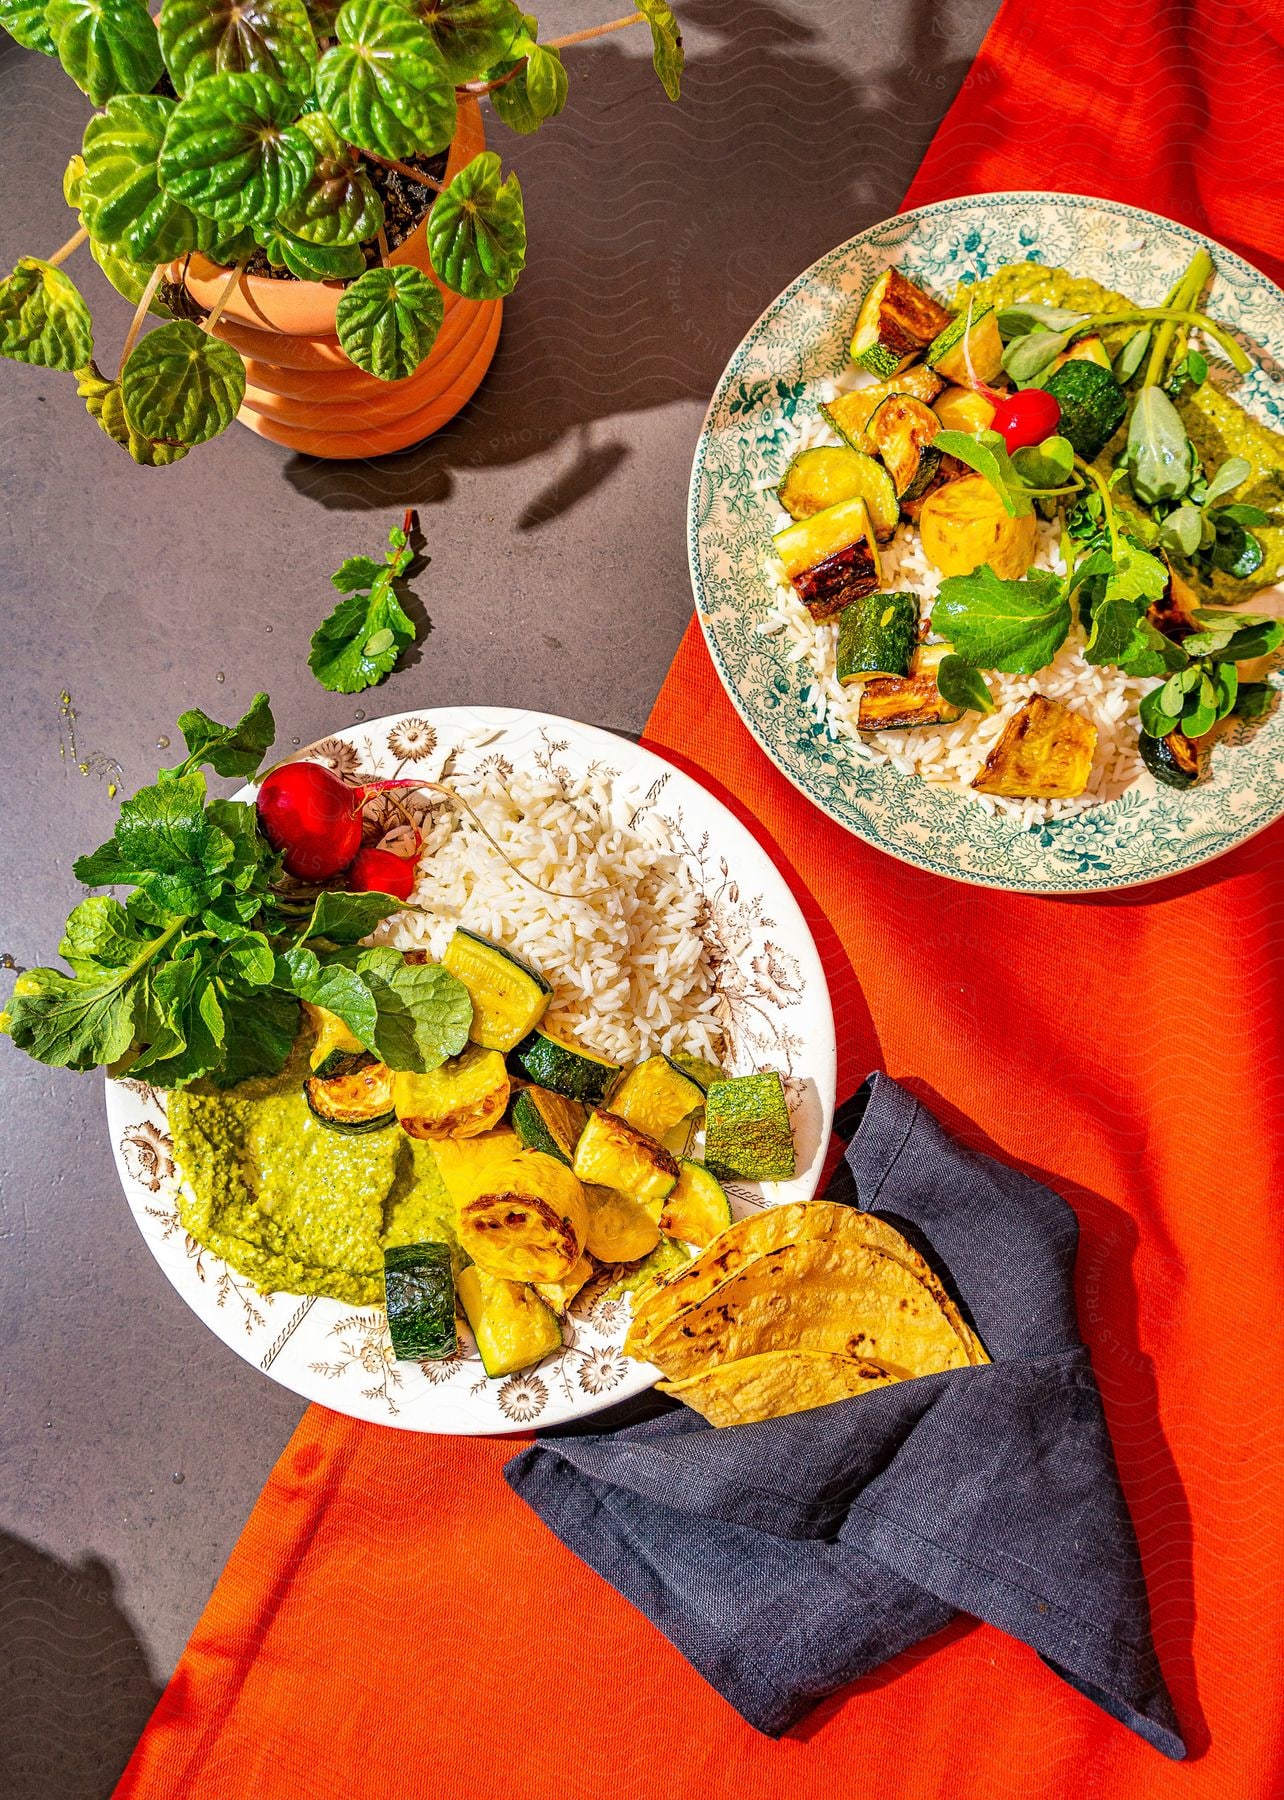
331,1035
531,1222
612,1153
896,323
559,1294
965,524
963,409
466,1096
512,1325
655,1096
1045,753
620,1229
466,1165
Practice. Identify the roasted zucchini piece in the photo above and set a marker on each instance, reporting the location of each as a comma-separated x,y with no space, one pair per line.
620,1228
901,702
849,414
567,1069
831,558
697,1068
825,475
419,1289
1045,753
961,342
747,1133
896,321
466,1165
655,1096
697,1209
509,998
1092,406
560,1294
612,1153
963,409
549,1122
530,1224
902,431
356,1097
877,636
1175,760
333,1043
966,524
466,1096
513,1327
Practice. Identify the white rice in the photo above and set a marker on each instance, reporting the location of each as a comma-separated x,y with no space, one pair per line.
625,953
949,756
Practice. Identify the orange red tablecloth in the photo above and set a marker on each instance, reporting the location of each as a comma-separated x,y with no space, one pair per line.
394,1623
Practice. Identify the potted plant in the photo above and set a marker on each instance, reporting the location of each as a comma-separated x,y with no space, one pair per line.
302,192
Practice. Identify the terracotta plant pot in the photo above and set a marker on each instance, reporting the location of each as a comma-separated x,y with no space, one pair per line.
302,391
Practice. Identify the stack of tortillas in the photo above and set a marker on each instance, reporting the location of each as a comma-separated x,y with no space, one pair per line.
795,1307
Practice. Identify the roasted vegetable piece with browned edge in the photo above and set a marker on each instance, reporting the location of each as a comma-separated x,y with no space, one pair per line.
612,1153
1045,753
831,558
899,702
513,1326
877,636
466,1096
355,1096
896,323
549,1122
970,349
849,414
828,474
902,431
531,1222
655,1096
509,998
1176,760
620,1229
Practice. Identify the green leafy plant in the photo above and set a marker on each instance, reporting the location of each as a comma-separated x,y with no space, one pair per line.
358,645
199,973
241,129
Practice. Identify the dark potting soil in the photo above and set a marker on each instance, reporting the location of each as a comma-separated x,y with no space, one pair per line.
404,204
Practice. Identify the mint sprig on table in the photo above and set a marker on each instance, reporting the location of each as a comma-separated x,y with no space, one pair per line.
200,971
358,645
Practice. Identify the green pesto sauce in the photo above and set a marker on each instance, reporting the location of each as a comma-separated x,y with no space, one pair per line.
1218,426
296,1206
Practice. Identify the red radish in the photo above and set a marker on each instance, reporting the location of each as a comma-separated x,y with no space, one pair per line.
1024,419
377,871
314,817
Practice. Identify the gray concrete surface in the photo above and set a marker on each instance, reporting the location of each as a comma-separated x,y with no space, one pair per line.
132,1444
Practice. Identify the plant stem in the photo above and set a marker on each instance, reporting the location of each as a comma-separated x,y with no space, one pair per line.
384,252
145,299
478,88
390,162
1152,314
225,294
595,31
1107,504
1185,295
73,243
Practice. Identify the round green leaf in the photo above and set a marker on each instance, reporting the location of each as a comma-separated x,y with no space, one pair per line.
667,53
477,231
181,384
121,197
106,46
43,319
128,277
103,403
340,205
26,23
388,320
312,262
233,151
200,38
537,91
472,35
384,84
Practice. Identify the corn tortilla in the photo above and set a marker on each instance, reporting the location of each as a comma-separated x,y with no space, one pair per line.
774,1383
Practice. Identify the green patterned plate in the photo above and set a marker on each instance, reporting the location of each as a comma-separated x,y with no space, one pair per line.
799,342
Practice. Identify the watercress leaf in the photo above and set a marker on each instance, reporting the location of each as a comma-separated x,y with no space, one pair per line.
1133,353
473,35
311,262
340,204
262,1024
1235,550
1183,529
1229,475
347,918
233,152
106,46
181,1024
960,684
477,231
26,23
1254,700
71,1021
1097,563
1014,626
341,657
1136,574
389,318
166,843
357,572
667,53
229,749
182,384
1045,465
1032,315
1028,357
249,956
1255,641
1225,687
43,319
1123,637
1240,513
199,38
253,864
424,1012
1156,717
1158,449
334,986
988,455
384,84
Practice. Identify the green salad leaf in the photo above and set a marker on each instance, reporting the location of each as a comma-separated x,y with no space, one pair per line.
988,455
343,918
424,1011
199,38
477,231
358,645
43,319
229,749
388,320
962,685
1013,626
384,84
107,46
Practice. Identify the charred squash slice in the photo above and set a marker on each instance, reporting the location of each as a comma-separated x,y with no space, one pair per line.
612,1153
697,1209
1045,753
356,1095
466,1096
902,431
969,339
914,699
530,1224
1175,760
549,1122
655,1096
827,474
567,1069
620,1228
849,414
897,321
831,558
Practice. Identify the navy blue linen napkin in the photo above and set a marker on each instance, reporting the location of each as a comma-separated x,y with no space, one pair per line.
785,1558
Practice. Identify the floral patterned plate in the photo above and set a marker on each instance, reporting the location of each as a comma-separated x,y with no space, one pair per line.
775,1012
800,340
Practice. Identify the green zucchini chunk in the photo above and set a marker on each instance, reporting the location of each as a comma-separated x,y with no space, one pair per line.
655,1096
896,320
697,1209
509,998
1092,405
902,430
831,558
747,1133
419,1288
354,1097
897,703
565,1068
1175,760
979,343
612,1153
698,1069
827,474
549,1122
877,636
512,1325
